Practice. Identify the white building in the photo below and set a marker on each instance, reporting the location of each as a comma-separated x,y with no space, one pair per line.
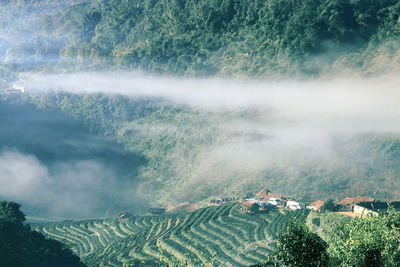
293,205
274,201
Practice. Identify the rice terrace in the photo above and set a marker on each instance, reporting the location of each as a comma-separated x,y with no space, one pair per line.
233,238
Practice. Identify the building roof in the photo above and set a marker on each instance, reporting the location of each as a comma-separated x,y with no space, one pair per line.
317,204
353,200
266,195
379,205
248,203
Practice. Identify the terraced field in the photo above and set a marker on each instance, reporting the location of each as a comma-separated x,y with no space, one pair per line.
233,238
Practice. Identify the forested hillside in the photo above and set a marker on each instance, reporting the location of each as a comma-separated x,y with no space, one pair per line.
196,38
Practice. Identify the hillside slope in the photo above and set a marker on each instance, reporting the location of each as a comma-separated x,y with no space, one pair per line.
151,147
197,38
236,239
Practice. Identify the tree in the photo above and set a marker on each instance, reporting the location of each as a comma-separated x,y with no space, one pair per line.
9,211
20,246
254,208
329,205
300,247
371,241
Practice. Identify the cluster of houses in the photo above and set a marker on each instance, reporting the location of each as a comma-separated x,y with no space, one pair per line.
356,206
348,204
266,200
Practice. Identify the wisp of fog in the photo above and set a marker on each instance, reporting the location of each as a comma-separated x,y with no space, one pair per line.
335,104
271,124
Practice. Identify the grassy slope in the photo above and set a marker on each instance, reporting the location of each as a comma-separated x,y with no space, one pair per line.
237,239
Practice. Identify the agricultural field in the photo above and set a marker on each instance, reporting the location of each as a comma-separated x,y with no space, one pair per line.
220,234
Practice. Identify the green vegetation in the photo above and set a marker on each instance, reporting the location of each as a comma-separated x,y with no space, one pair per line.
370,241
159,152
329,205
20,246
219,234
165,145
327,223
373,241
210,37
300,247
316,221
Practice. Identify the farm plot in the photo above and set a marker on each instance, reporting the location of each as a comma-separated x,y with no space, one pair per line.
219,234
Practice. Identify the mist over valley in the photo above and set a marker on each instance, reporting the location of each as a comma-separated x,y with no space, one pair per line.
188,133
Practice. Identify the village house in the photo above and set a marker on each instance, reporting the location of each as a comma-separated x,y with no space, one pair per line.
316,205
374,207
360,210
266,200
274,201
293,205
266,195
349,202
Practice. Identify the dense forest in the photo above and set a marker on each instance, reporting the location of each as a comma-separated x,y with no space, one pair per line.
197,38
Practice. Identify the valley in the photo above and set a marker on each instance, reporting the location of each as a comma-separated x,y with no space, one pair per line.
140,133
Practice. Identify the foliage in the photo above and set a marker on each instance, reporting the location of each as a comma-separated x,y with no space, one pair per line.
371,241
300,247
19,246
191,37
330,205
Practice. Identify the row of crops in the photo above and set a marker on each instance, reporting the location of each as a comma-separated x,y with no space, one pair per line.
219,234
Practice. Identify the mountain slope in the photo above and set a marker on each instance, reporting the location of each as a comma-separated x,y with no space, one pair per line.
236,239
197,38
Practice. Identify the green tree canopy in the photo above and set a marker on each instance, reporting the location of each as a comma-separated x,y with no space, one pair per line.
20,246
371,241
300,247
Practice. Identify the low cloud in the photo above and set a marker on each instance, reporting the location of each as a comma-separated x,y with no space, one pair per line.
71,190
334,105
257,125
